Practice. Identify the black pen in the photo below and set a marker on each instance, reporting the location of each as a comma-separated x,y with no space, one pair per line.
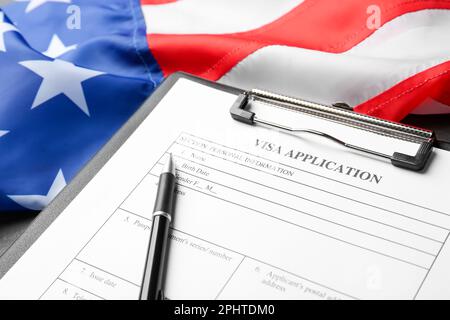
152,282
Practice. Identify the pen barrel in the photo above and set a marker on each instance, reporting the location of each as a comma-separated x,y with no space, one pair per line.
152,282
165,194
154,266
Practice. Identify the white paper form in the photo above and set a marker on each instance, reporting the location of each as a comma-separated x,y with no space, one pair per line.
259,214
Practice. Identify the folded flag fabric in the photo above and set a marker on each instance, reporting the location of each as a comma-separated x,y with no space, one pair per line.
65,90
73,71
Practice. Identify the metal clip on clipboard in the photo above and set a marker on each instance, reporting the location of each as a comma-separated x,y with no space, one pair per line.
342,114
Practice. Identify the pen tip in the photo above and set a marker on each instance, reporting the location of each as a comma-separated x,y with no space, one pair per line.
169,166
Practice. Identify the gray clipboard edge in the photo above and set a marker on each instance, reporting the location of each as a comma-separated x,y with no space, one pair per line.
57,206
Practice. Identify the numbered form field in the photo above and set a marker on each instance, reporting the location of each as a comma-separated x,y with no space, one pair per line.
320,230
248,226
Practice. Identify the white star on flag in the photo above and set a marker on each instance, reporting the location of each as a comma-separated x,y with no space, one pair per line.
60,77
33,4
3,132
57,48
39,202
4,27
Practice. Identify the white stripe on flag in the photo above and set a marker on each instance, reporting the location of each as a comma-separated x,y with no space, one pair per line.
213,16
431,106
418,35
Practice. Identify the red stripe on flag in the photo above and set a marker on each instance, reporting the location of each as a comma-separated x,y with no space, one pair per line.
444,97
330,26
207,56
400,100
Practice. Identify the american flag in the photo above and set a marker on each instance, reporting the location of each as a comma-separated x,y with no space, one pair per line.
73,71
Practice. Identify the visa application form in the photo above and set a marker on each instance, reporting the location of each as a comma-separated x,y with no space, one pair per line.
259,214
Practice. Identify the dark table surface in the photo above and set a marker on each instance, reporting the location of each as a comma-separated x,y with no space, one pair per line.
13,224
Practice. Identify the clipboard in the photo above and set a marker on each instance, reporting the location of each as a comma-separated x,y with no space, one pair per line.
240,112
